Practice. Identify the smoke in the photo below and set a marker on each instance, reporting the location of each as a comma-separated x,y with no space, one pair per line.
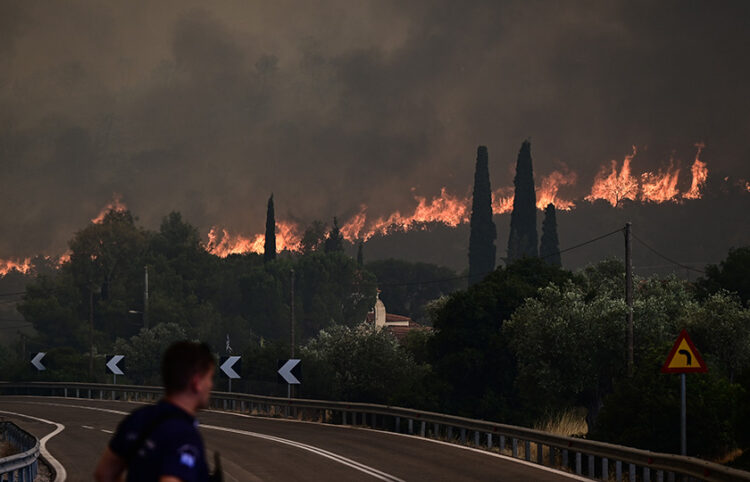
334,105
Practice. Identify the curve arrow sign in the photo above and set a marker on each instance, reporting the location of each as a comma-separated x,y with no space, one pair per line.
286,371
112,365
226,367
37,361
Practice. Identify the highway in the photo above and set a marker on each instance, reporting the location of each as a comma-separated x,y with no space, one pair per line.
266,449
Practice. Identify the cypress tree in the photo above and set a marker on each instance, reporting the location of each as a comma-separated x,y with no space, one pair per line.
482,238
523,238
335,241
360,255
269,249
550,247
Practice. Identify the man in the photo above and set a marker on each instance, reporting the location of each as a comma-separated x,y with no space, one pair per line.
161,442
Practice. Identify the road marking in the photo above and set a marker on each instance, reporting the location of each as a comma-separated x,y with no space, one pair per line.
106,431
60,472
88,427
373,472
316,450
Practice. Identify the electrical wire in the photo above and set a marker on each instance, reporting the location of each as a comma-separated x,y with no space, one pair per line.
457,278
665,257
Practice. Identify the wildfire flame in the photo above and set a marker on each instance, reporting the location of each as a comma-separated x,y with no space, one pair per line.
610,184
656,187
615,186
115,205
700,174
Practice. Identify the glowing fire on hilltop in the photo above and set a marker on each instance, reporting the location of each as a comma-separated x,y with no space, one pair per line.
610,184
615,186
700,174
547,193
115,205
222,244
657,187
20,265
447,209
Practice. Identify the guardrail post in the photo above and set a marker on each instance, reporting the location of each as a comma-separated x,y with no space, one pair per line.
540,454
631,472
578,463
527,450
450,433
592,470
476,438
343,417
354,418
65,392
618,471
514,450
398,424
565,458
605,468
423,430
659,476
502,443
78,393
489,440
436,431
551,456
411,426
646,474
463,435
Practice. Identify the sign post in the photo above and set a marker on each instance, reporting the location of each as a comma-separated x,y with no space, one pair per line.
684,358
113,368
228,367
289,372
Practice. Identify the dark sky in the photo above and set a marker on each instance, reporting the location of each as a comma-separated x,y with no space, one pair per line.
330,105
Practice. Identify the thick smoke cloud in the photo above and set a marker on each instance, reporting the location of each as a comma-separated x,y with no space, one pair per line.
179,105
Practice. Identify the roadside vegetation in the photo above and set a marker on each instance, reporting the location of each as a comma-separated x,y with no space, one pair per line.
530,344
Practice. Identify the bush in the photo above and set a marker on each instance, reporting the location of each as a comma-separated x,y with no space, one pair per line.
644,411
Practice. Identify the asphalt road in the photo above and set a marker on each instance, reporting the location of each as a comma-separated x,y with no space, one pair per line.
257,448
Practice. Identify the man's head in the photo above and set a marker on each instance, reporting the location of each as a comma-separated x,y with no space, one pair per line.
188,371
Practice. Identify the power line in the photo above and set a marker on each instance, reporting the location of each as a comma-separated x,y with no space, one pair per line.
582,244
665,257
457,278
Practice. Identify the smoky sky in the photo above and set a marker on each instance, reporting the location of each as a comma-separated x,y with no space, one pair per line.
208,108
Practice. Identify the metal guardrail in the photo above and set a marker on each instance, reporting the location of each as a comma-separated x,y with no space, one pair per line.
588,458
21,466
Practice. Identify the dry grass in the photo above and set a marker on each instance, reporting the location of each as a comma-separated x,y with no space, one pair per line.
571,422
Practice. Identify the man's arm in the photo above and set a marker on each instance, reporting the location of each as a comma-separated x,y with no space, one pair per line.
110,467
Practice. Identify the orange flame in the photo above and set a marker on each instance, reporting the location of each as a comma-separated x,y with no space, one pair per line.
502,200
661,186
615,187
20,265
700,174
115,205
547,193
222,244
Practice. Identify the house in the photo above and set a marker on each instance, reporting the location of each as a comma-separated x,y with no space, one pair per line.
399,325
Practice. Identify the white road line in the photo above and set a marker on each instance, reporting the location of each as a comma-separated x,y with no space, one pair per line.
106,431
310,448
88,427
60,472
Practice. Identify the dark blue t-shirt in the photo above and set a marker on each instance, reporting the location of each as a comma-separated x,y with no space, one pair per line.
174,446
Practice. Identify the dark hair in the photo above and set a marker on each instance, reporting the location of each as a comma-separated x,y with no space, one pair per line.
182,361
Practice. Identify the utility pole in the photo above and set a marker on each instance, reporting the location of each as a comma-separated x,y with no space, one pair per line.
291,324
629,293
91,333
145,298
